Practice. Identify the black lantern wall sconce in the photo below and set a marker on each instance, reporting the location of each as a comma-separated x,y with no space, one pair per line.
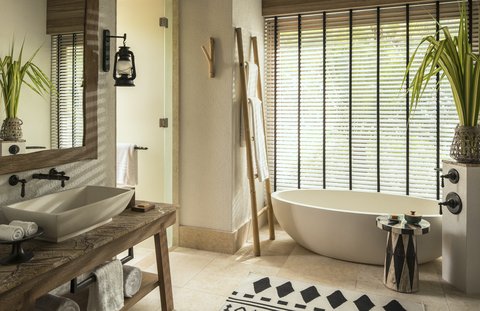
124,71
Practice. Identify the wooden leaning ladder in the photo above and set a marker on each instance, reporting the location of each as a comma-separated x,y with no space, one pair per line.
248,142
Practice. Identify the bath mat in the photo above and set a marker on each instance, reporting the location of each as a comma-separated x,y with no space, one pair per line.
261,293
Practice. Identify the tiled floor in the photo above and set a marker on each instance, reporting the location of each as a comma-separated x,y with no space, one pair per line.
203,280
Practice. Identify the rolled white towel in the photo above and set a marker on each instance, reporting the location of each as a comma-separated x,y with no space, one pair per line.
132,280
51,302
11,233
29,227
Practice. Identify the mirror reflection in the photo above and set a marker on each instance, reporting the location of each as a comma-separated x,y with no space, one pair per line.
50,110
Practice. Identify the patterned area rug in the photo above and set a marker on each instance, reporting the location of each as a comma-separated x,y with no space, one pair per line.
261,293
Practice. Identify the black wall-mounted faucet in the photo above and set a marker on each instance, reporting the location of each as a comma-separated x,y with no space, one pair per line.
14,180
53,174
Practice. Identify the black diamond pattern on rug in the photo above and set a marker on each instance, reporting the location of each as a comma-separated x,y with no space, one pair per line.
394,306
364,303
398,259
275,294
261,285
285,289
411,259
336,299
309,293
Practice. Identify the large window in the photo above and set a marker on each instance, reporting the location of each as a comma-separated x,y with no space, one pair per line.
336,113
67,122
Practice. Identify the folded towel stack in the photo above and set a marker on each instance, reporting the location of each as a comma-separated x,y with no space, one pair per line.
132,280
51,302
17,230
11,233
29,227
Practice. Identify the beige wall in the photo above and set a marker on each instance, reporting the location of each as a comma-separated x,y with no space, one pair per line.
27,19
95,172
206,131
139,108
214,190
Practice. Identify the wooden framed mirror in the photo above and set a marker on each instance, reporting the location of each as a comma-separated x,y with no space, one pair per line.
88,150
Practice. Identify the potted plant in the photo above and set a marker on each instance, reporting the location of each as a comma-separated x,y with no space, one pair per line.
13,74
452,56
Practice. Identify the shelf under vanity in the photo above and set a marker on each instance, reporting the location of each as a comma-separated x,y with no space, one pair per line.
57,263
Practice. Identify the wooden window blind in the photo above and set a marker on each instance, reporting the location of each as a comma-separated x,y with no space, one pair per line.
67,122
336,113
65,16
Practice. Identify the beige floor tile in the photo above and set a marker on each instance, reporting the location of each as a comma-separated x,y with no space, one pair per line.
437,307
192,300
184,300
185,264
458,300
303,265
225,273
370,280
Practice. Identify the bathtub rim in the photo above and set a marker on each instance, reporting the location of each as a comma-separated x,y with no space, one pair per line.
275,195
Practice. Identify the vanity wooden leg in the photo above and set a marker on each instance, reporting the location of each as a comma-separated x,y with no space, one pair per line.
163,268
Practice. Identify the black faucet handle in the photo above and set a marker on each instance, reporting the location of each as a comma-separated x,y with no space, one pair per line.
453,202
53,171
446,203
452,175
14,180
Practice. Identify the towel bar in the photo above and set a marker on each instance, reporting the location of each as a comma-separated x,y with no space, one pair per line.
75,285
140,148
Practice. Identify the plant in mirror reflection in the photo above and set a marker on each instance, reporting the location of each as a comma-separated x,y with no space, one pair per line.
14,73
450,57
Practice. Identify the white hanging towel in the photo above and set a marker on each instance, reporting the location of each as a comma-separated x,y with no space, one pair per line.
127,165
252,80
106,293
259,138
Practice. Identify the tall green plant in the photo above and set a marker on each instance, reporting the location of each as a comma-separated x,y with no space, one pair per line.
452,56
13,74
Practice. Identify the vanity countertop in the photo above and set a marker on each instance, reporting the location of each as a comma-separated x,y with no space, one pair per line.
49,256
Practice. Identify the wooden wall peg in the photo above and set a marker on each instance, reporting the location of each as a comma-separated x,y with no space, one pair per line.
210,57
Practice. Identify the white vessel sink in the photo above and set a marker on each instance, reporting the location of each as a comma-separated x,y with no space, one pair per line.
69,213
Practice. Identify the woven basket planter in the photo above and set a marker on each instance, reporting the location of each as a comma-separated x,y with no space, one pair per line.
11,129
466,144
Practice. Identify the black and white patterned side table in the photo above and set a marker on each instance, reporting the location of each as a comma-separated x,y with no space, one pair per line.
401,265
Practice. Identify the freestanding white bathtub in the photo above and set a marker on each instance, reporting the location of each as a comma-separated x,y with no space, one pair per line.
341,224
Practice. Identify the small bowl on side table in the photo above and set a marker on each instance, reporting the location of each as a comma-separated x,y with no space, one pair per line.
412,219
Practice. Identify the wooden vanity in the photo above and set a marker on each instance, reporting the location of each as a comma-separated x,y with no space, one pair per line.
54,264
